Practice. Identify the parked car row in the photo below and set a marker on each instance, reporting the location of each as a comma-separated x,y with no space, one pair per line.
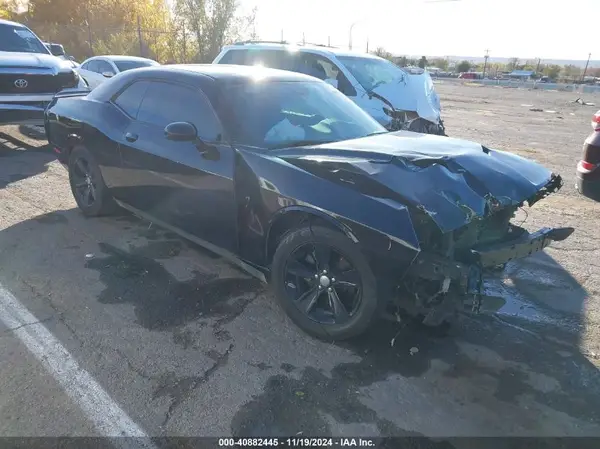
281,162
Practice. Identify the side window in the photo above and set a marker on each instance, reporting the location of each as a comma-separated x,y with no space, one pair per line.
323,68
104,67
165,103
129,100
93,66
85,66
236,57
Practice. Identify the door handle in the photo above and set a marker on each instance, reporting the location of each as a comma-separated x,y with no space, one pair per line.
131,137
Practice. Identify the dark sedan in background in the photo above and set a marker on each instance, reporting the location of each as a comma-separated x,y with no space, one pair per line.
588,169
285,176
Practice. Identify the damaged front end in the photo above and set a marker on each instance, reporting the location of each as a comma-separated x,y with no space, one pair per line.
447,274
445,206
400,120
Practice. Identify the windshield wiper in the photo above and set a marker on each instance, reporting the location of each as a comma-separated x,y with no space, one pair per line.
376,85
299,143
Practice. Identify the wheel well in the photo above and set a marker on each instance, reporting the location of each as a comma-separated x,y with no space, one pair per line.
289,221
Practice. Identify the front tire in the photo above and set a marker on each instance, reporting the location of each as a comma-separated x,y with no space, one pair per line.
324,283
87,185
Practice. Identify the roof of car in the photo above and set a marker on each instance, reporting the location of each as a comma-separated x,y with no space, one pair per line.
313,48
122,58
8,22
231,72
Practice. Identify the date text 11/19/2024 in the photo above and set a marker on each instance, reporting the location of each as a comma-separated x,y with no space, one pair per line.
296,442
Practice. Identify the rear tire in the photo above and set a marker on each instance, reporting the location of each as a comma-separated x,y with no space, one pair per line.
87,185
304,270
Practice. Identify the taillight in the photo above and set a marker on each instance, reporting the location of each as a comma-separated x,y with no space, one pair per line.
586,166
596,121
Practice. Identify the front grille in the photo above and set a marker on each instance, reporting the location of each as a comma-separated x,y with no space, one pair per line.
36,84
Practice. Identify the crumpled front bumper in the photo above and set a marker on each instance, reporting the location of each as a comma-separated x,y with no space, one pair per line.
468,274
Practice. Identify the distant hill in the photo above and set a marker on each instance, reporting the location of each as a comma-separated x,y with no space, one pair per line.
491,60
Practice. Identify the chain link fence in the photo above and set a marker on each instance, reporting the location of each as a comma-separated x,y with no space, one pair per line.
83,41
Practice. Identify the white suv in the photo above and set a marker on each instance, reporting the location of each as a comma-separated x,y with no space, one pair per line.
394,97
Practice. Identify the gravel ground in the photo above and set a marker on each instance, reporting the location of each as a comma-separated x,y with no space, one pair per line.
186,344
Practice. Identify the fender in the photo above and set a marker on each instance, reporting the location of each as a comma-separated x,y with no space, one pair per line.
309,210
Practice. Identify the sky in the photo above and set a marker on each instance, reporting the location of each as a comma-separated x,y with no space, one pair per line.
507,28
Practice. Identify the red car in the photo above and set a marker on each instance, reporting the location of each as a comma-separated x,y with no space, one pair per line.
588,169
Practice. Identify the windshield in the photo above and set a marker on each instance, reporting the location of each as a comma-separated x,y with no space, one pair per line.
128,65
282,114
371,72
20,39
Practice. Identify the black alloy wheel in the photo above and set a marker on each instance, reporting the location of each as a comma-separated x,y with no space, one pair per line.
324,283
84,183
87,185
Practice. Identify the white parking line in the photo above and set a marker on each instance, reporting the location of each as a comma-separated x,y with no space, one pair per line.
107,417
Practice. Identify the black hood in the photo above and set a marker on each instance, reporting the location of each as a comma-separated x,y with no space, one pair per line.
454,181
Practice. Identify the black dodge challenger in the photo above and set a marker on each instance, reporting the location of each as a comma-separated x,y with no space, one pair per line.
289,179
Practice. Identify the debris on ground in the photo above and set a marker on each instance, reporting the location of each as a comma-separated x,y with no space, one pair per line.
414,350
583,103
536,109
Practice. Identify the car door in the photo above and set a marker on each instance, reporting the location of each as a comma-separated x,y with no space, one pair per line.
86,72
92,75
188,185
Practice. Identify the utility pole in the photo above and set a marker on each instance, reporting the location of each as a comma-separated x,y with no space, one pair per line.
485,60
282,35
367,45
184,35
586,67
303,39
329,41
537,69
350,36
139,30
89,27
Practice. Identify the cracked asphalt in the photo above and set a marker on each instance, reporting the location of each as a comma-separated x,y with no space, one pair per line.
188,345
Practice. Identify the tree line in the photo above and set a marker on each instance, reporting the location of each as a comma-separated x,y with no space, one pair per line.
553,71
182,31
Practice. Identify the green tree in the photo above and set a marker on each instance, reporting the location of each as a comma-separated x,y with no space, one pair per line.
423,62
402,61
571,72
383,53
103,26
463,66
212,24
440,63
513,64
552,71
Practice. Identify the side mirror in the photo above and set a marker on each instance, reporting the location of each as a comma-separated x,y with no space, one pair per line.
108,74
181,132
57,49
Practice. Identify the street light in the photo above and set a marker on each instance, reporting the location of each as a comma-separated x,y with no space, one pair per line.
350,35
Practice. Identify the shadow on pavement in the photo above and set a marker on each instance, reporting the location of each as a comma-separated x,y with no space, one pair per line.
20,160
481,361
